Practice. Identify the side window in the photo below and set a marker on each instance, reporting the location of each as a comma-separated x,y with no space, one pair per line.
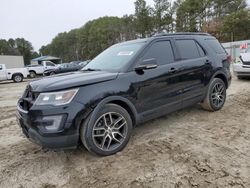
50,64
201,51
216,46
187,48
1,68
161,51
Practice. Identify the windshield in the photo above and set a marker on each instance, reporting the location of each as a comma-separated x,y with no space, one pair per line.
114,58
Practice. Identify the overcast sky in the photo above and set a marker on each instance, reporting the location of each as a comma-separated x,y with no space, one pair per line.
39,21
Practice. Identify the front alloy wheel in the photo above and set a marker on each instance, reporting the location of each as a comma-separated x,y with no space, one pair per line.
107,131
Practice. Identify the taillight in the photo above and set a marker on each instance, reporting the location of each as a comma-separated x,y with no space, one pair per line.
229,59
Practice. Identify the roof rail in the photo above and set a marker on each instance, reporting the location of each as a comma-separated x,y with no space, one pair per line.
181,33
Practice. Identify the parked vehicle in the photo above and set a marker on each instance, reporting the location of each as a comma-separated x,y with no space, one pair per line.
241,67
65,67
16,74
127,84
35,70
84,63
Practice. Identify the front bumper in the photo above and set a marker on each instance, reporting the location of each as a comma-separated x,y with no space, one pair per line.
33,124
241,69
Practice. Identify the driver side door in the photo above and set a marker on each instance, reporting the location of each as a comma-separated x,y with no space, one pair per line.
158,90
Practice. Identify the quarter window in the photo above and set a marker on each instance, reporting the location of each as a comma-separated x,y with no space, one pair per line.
161,51
188,49
215,45
50,64
201,51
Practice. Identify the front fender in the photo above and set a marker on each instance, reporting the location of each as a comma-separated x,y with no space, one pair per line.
90,111
114,99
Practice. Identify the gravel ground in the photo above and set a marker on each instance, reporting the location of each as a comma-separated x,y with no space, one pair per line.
188,148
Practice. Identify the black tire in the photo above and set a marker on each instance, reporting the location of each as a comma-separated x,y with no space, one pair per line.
216,96
32,74
240,77
52,73
94,133
17,78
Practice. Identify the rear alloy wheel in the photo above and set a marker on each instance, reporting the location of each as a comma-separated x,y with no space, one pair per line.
108,131
216,95
32,74
52,73
18,78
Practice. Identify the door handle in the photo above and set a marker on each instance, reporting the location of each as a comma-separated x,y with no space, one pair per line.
172,70
207,62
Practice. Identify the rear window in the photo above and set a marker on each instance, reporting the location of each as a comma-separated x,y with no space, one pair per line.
188,48
215,45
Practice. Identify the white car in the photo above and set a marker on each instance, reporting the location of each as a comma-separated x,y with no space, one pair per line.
241,67
39,69
16,74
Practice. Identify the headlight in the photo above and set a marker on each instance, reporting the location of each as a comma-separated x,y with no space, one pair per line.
238,60
56,98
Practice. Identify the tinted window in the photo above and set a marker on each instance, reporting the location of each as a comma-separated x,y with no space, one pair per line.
215,45
188,49
201,51
161,51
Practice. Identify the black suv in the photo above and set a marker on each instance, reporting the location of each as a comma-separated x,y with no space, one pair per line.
127,84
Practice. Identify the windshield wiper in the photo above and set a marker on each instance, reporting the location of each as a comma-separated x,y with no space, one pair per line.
90,69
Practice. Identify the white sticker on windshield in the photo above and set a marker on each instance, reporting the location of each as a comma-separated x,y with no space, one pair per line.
125,53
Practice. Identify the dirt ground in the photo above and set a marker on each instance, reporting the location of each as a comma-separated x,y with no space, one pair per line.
188,148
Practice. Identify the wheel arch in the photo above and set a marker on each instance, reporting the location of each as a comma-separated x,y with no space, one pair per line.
32,71
222,76
118,100
121,101
17,73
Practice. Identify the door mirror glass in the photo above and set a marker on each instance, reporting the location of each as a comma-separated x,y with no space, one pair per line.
147,64
1,68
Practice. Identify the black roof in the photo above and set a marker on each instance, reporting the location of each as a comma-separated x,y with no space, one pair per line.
181,33
144,40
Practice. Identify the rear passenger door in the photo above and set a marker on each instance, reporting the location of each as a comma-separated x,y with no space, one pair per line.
195,65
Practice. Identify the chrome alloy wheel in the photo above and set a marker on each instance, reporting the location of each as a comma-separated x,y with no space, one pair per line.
18,78
110,130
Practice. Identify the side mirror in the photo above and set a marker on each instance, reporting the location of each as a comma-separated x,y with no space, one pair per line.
147,64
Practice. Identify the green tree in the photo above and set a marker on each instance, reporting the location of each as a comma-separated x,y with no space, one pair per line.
25,49
19,46
163,16
143,20
236,26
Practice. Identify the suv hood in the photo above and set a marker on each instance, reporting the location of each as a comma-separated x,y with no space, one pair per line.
70,80
245,57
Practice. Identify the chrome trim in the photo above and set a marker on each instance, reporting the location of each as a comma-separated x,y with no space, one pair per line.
20,109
